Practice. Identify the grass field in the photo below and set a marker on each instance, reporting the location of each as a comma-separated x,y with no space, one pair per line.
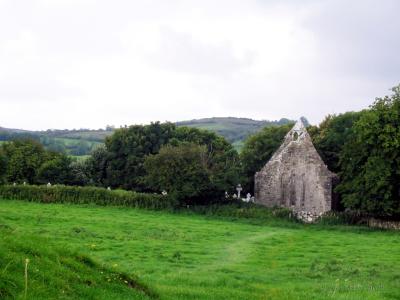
184,256
74,142
56,273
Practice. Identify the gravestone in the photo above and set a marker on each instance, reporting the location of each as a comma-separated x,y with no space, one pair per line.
248,197
239,190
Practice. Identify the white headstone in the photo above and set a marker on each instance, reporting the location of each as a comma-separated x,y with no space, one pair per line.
239,189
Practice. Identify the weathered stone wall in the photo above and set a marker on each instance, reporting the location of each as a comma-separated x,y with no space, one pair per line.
295,176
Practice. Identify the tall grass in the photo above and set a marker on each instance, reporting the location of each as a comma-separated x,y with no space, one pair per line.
55,272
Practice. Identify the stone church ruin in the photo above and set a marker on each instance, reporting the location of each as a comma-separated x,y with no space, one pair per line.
296,177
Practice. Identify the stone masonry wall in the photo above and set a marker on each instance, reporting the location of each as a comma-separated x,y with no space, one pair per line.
295,176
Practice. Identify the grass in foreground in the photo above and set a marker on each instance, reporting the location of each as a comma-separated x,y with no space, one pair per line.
56,273
198,257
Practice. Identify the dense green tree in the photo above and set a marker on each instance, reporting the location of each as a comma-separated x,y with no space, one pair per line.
28,161
223,159
258,149
3,166
23,159
126,151
96,166
56,170
80,174
181,170
331,135
127,148
370,161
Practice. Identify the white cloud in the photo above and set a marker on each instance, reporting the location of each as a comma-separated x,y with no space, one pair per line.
71,64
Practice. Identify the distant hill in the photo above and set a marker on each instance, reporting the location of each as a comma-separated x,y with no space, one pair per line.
235,130
96,135
79,142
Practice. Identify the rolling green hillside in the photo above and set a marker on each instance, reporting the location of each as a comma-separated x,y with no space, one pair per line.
81,142
235,130
72,142
32,268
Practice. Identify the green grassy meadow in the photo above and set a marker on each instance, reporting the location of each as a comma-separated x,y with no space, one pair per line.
188,256
74,142
56,272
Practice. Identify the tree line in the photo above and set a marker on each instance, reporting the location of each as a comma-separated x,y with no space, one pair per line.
363,148
197,166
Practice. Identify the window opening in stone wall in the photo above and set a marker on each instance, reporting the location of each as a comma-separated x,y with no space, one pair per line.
295,136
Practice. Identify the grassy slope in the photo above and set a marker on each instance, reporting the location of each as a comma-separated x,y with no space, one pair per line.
55,273
92,135
195,257
74,142
235,130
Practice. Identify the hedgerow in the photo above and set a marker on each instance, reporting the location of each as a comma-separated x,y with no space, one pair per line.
85,195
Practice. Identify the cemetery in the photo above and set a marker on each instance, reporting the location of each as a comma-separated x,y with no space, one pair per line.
287,241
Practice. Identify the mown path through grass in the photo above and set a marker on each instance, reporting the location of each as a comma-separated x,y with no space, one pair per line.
195,257
238,251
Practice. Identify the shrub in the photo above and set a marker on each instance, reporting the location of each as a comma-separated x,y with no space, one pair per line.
237,209
370,161
85,195
342,218
181,170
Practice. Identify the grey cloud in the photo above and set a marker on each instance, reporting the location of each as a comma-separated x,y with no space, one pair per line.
79,31
35,89
181,52
83,50
358,38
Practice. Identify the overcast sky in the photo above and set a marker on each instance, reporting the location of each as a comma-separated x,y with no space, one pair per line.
88,63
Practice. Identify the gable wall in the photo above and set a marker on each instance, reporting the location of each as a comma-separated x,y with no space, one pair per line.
295,177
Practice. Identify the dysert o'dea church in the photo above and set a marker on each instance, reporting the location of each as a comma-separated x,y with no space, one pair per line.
296,177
